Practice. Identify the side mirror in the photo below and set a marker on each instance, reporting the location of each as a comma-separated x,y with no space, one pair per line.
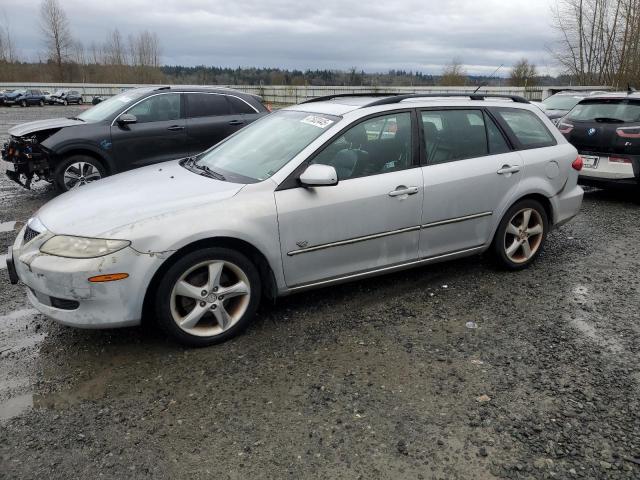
126,119
318,175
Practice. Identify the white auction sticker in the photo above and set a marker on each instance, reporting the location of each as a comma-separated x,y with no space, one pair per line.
317,121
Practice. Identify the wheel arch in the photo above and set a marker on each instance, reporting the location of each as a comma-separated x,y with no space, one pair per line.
539,197
106,162
267,277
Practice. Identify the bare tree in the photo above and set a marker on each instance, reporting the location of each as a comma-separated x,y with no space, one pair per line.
7,47
144,51
55,28
599,40
454,74
523,74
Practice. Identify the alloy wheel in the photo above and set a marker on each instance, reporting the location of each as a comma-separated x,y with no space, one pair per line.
210,297
80,173
523,235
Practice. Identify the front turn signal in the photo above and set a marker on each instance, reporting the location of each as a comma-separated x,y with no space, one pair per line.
110,277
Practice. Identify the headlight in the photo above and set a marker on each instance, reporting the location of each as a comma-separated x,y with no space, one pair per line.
80,247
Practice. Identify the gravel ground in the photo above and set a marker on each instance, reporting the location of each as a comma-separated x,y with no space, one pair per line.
376,379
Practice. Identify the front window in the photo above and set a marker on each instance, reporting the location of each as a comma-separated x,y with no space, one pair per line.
259,150
375,146
561,102
106,109
614,110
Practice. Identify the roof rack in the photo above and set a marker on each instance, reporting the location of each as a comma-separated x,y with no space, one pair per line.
393,97
473,96
347,95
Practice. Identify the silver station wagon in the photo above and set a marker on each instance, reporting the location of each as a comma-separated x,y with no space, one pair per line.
335,189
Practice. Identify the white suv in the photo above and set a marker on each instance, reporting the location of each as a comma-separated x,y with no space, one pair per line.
331,190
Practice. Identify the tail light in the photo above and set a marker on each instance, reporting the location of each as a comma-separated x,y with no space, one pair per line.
619,160
577,163
629,132
565,127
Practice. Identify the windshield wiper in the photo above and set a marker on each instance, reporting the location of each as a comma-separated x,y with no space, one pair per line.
608,120
75,118
209,172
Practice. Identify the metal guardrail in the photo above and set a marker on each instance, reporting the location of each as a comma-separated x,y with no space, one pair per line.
284,95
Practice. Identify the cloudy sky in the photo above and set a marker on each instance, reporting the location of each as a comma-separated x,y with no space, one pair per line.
370,35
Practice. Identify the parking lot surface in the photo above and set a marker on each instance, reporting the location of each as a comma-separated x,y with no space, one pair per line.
453,371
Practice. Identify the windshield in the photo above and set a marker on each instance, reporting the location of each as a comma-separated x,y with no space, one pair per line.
561,102
264,147
104,110
19,92
613,110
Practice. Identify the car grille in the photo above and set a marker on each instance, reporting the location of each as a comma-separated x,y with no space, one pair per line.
30,234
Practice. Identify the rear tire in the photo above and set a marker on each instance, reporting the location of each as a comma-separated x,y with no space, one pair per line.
207,296
521,235
77,170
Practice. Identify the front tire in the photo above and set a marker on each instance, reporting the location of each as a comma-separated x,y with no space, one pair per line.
208,296
76,171
521,235
65,102
23,103
41,103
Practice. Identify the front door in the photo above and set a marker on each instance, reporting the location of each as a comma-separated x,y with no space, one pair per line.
470,172
369,220
158,135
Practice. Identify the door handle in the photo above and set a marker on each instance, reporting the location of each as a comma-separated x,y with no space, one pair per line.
236,122
508,169
174,128
402,190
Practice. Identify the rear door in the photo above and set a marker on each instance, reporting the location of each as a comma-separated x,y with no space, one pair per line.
158,135
470,171
240,106
210,119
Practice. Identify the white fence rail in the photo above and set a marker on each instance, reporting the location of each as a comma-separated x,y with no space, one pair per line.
285,95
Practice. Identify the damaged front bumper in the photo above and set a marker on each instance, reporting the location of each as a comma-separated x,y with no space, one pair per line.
27,160
60,288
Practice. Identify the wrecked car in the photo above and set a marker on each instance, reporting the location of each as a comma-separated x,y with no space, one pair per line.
138,127
65,97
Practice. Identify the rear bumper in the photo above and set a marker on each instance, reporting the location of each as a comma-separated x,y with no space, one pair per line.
608,173
566,204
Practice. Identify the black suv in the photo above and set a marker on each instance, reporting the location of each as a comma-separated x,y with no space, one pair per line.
138,127
606,131
65,97
24,98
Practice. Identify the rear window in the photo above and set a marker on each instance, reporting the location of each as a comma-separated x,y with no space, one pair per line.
607,110
526,127
206,105
239,106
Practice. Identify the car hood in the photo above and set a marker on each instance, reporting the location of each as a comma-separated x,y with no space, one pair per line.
128,198
39,125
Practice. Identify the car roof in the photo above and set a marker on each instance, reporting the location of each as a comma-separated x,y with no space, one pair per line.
616,96
341,105
200,88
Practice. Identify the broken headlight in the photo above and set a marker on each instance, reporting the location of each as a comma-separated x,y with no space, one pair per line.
81,247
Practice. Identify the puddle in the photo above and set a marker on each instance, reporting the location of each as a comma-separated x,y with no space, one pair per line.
20,342
7,226
581,296
15,406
